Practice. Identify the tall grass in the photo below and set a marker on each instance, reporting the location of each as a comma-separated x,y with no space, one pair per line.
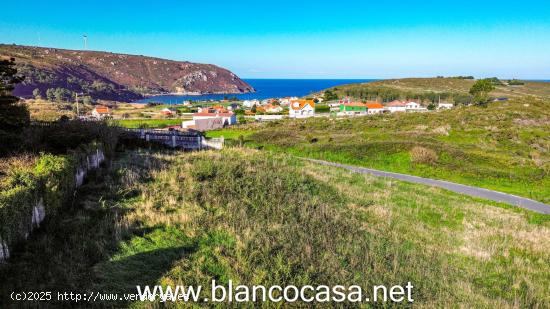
504,147
259,218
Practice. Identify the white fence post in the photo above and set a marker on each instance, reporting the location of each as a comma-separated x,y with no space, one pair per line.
4,251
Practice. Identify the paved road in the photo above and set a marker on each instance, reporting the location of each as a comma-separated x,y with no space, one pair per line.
468,190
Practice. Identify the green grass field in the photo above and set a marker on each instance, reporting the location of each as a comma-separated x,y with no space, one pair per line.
504,147
259,218
148,123
412,88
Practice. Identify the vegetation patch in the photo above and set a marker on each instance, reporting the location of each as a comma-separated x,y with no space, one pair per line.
502,146
258,218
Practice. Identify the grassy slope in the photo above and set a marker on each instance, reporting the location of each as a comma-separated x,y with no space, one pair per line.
257,218
504,147
148,123
422,85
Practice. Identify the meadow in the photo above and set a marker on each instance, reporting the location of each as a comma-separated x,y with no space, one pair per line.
261,218
504,146
432,89
148,123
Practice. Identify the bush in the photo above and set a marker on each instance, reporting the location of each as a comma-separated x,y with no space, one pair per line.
423,155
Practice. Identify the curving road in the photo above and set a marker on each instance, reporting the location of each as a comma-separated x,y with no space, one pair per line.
451,186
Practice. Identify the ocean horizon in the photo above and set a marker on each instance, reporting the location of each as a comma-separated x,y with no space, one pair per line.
265,88
269,88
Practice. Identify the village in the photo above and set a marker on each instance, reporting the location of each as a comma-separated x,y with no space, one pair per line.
212,115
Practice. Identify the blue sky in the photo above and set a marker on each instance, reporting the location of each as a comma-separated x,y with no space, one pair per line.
303,39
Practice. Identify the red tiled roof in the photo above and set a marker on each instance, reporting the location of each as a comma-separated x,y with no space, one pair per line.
301,104
102,109
396,103
374,105
355,104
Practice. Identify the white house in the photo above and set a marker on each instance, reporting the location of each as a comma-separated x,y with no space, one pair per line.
374,108
396,106
273,109
444,105
228,118
301,109
286,101
100,112
412,106
167,112
250,103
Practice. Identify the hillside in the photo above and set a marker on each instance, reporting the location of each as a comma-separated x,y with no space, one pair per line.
257,218
504,147
111,76
451,89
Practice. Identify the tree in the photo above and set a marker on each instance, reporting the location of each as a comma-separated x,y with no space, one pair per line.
87,100
480,90
36,94
14,117
330,96
432,106
254,108
62,95
50,94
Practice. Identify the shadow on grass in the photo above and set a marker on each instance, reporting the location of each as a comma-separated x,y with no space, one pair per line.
73,250
145,268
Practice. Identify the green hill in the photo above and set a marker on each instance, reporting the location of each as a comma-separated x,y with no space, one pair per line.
504,146
111,76
431,89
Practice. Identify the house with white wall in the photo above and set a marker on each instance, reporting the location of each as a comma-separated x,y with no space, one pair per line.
375,108
412,106
228,118
444,105
396,106
301,109
250,103
101,112
219,118
273,109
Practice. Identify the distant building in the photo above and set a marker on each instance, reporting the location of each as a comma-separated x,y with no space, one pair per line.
286,101
396,106
301,109
208,124
349,109
101,112
210,119
273,109
250,103
444,105
412,106
374,108
228,118
167,112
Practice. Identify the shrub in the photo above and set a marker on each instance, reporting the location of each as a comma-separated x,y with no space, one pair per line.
423,155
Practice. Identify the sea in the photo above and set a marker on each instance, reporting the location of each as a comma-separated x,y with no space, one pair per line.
265,88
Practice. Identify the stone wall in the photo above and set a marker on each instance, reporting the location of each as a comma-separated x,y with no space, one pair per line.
38,207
